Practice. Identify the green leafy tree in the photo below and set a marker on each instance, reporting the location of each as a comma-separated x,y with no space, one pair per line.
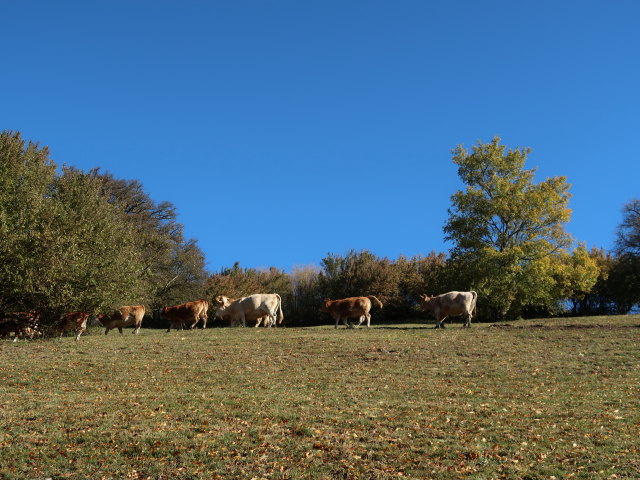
85,241
62,246
172,268
507,230
26,178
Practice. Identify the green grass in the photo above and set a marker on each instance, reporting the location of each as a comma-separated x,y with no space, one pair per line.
531,400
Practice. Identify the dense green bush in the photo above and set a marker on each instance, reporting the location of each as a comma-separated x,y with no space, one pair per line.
71,240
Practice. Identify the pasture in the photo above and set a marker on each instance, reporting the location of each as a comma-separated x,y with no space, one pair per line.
529,400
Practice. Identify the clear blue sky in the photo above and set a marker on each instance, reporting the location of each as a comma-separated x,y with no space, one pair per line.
284,130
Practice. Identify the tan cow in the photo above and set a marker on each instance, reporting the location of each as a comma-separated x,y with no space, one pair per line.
349,308
202,314
76,321
451,304
253,307
185,314
124,317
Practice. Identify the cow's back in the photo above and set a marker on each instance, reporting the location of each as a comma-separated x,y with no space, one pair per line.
350,306
254,302
455,303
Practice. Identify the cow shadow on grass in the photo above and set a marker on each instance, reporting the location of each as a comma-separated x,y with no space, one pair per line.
417,327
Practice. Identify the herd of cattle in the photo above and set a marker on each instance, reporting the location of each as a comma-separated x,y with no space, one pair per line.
262,308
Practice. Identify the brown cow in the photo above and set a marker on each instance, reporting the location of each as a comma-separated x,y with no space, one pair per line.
124,317
72,320
20,324
451,304
349,308
179,315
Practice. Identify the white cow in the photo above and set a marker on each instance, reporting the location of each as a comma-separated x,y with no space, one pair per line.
251,307
451,304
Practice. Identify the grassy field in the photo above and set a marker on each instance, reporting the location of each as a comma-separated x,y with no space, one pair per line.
528,400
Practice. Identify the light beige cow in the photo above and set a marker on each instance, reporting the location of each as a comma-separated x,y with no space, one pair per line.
451,304
260,319
252,307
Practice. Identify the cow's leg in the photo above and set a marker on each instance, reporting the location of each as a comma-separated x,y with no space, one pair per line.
243,321
467,322
204,322
120,330
79,333
361,320
368,320
345,320
106,330
259,321
337,321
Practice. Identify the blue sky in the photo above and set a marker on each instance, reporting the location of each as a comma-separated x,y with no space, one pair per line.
284,130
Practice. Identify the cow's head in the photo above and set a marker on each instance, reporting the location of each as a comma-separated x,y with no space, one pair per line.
325,305
425,300
222,301
100,318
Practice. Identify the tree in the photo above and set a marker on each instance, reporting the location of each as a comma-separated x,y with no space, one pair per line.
507,230
26,177
624,280
172,267
72,240
62,248
577,275
306,297
628,232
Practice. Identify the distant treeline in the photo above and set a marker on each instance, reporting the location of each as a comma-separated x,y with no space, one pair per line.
73,240
397,283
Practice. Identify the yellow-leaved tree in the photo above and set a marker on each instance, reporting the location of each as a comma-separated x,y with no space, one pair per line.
508,232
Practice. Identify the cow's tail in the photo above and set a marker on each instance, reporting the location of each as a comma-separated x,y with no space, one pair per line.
371,297
280,312
475,298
